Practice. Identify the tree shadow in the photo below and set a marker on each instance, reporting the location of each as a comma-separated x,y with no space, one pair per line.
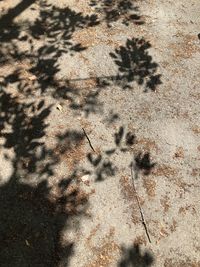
103,163
33,213
133,257
58,24
46,40
117,10
135,64
33,217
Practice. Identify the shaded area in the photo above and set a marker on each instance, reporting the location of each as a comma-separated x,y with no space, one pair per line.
32,223
8,28
134,257
58,24
12,13
30,226
46,40
33,213
117,10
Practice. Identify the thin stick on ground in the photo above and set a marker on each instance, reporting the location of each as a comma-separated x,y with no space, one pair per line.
139,206
88,139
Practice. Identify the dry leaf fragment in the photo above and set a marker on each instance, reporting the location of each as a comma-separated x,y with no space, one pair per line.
32,78
27,243
163,232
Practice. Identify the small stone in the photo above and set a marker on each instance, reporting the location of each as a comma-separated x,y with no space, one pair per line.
85,178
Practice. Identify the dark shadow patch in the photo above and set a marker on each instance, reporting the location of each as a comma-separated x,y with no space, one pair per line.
143,163
134,257
136,65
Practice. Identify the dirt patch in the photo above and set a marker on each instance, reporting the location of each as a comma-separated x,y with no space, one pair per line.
165,170
128,193
72,151
158,230
104,254
74,156
144,113
196,172
94,38
196,130
179,153
185,209
150,186
147,144
183,186
186,47
140,240
173,226
127,188
92,234
165,203
73,204
186,263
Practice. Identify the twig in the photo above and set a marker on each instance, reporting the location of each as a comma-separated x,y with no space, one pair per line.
138,202
88,139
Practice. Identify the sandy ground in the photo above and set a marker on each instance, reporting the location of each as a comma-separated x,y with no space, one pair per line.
126,76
